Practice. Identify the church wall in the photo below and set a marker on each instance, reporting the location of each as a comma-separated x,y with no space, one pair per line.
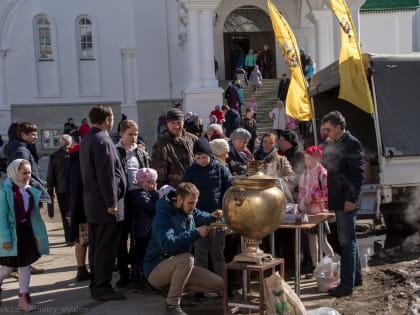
387,32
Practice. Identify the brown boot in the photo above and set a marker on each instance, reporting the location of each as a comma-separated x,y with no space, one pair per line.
24,303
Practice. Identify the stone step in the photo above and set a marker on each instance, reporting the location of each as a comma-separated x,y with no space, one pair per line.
266,101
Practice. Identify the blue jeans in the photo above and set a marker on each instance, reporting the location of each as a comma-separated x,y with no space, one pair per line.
350,268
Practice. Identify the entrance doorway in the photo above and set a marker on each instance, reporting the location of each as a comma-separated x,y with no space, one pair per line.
247,27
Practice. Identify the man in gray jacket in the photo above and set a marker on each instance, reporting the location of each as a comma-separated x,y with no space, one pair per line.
104,186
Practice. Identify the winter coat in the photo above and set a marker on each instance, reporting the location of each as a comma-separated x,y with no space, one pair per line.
250,124
75,192
19,149
8,221
278,115
104,180
277,166
296,158
250,60
212,181
141,210
219,115
57,171
345,164
255,79
283,89
237,160
313,185
143,160
232,98
173,232
232,121
172,156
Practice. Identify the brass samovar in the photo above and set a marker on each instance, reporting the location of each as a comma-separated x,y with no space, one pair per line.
254,207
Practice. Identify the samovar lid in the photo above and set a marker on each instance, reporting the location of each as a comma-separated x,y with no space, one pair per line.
255,177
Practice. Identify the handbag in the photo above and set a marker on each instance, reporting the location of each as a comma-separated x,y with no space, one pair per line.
83,234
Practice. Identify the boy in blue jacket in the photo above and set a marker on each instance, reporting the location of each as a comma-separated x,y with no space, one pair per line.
212,180
168,262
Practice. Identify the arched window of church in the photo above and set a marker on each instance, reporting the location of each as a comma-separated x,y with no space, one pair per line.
86,39
43,30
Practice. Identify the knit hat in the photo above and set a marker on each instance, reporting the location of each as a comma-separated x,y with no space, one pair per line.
174,114
146,173
240,133
290,136
217,107
314,151
219,146
202,146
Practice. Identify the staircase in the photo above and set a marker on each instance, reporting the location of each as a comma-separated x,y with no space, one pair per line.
266,101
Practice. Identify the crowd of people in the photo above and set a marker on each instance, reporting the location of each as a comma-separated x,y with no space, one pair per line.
148,215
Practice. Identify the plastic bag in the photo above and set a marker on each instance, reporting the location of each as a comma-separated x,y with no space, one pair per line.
323,311
327,273
279,297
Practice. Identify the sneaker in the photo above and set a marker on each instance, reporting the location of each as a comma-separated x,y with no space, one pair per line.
174,310
340,292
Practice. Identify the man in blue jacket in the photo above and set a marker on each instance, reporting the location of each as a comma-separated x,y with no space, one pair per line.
176,226
344,160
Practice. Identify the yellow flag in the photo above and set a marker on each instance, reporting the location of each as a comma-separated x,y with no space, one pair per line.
298,104
354,86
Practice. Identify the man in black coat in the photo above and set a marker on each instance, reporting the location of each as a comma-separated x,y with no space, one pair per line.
344,160
104,186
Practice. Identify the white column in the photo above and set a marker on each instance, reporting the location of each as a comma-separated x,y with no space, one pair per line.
323,20
5,111
3,82
202,92
354,7
194,48
129,104
207,49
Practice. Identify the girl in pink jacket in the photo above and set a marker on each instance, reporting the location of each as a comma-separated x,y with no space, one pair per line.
313,197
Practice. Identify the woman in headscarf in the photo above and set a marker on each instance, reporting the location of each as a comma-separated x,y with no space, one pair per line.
274,164
239,153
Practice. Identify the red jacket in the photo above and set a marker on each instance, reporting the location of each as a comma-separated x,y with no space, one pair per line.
219,115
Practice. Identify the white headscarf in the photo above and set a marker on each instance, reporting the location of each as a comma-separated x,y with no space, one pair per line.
13,170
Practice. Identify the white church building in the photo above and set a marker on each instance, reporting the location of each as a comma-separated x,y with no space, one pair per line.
58,58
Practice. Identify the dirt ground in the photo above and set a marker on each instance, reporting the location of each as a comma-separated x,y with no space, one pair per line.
391,284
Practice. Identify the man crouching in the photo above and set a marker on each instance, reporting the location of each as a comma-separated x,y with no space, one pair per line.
168,262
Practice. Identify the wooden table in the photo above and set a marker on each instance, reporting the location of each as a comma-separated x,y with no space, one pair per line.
313,221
